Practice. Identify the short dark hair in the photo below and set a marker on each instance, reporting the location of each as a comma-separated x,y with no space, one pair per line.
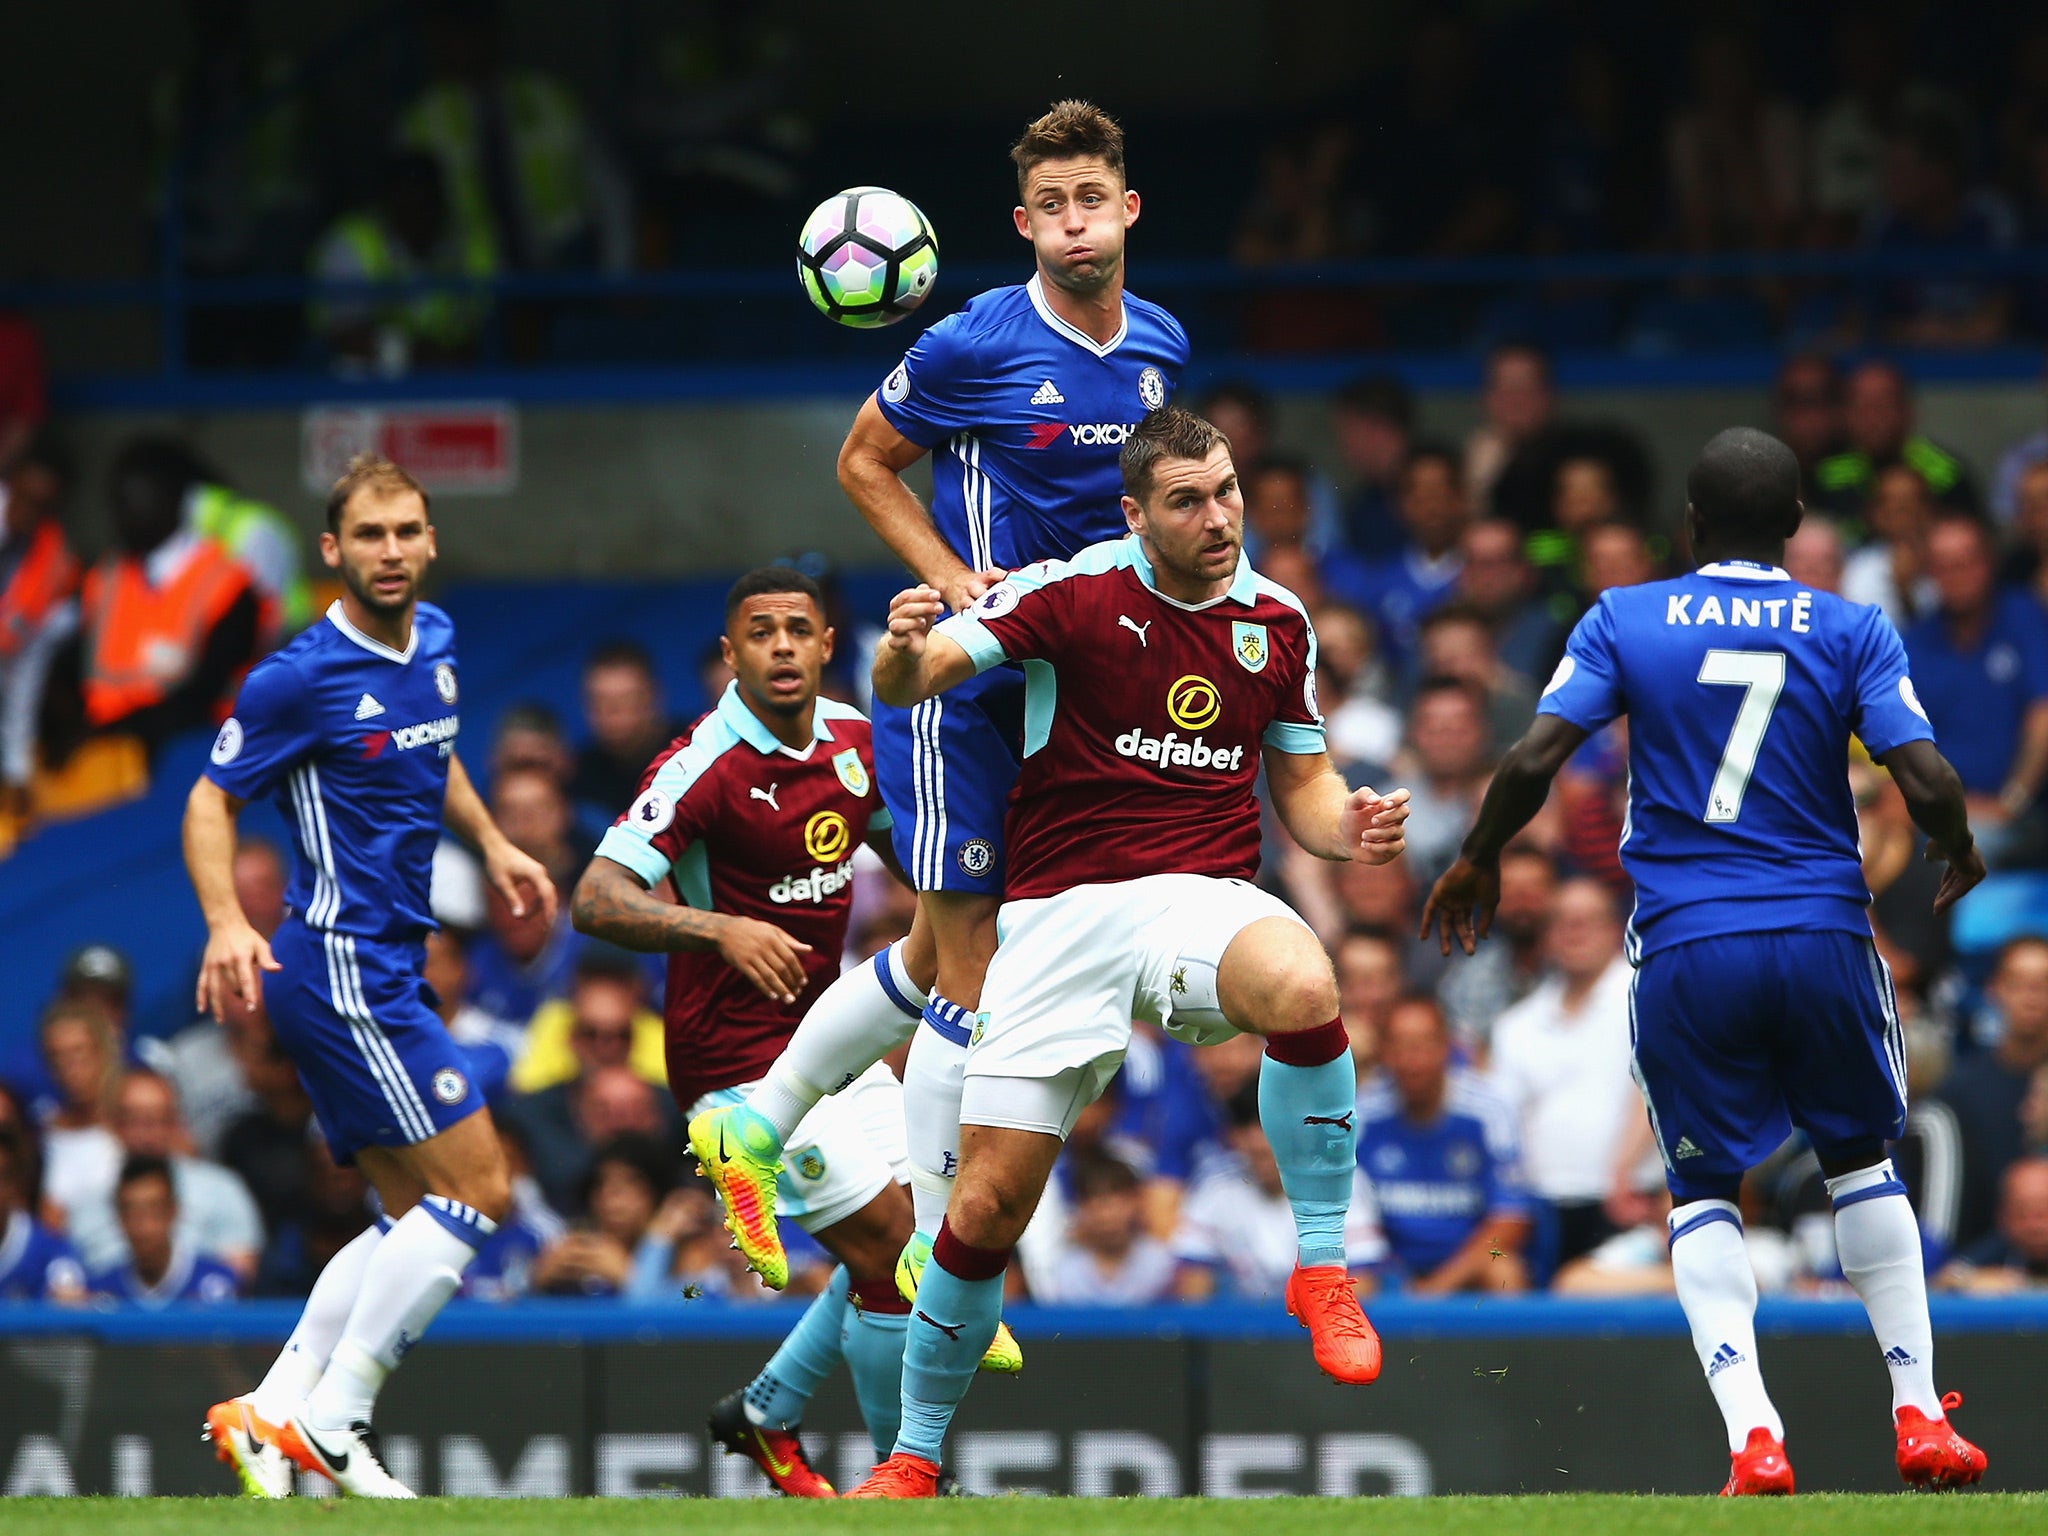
598,961
1422,1000
1241,1109
770,578
1453,613
1100,1174
651,1158
1069,130
531,715
1242,393
1167,433
1381,395
1431,686
1438,453
167,464
1745,483
1292,465
620,652
145,1165
378,475
50,452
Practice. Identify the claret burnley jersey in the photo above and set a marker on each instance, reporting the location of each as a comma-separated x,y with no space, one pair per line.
750,827
1143,717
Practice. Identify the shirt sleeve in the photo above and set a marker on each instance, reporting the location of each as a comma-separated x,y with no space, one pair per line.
1586,687
269,733
1507,1192
930,395
1019,619
1297,726
1888,711
672,811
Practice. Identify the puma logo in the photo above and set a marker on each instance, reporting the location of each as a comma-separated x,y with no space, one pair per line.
1135,628
950,1330
1341,1122
767,794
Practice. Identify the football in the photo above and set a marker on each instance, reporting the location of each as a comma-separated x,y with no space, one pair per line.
867,257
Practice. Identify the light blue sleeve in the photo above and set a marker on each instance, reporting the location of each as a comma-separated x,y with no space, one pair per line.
1586,687
1888,711
269,734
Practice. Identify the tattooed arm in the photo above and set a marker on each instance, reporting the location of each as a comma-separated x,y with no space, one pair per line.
612,903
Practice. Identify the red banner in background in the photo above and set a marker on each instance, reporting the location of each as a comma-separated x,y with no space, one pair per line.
461,449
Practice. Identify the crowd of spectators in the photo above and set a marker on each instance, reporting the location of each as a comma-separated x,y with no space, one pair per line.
460,156
1502,1146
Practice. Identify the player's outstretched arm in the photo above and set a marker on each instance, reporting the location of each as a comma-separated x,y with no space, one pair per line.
912,664
1934,796
1329,818
236,954
515,875
1464,898
871,465
614,904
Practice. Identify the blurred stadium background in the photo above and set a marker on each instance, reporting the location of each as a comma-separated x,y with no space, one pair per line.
1467,286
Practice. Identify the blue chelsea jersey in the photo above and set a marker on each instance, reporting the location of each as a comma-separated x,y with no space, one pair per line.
1032,415
1742,689
352,739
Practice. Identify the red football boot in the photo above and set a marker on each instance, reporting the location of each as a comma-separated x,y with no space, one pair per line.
1932,1454
1759,1467
1322,1301
777,1452
902,1476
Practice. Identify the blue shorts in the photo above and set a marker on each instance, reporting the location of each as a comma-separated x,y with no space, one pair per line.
1739,1039
946,768
358,1022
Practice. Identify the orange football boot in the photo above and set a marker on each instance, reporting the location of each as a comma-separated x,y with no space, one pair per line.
1322,1301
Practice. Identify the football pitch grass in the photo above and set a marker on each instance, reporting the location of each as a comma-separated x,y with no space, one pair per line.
1537,1515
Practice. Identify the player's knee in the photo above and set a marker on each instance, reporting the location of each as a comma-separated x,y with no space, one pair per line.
987,1214
1274,979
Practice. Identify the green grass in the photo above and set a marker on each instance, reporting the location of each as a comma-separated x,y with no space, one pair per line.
1607,1514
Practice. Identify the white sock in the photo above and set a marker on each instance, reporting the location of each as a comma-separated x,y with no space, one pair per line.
1878,1241
862,1017
1717,1288
409,1278
304,1356
931,1123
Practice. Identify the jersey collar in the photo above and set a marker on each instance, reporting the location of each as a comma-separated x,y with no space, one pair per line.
1036,288
1244,586
746,725
375,647
1746,570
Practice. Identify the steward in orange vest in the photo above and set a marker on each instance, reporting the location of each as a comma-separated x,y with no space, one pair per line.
170,625
38,582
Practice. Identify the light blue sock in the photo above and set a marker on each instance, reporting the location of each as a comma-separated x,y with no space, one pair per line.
1310,1117
873,1345
757,1131
776,1398
951,1327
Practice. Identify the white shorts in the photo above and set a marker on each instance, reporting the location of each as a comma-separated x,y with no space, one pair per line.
846,1151
1073,970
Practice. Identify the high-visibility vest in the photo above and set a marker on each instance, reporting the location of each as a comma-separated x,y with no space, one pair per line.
48,573
142,641
230,519
547,155
447,319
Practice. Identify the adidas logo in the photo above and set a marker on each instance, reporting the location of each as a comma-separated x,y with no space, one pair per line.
1724,1357
1685,1148
1897,1355
366,707
1048,394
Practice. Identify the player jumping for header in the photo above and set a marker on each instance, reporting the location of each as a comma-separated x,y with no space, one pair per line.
1030,392
1759,1002
755,812
1163,672
352,727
